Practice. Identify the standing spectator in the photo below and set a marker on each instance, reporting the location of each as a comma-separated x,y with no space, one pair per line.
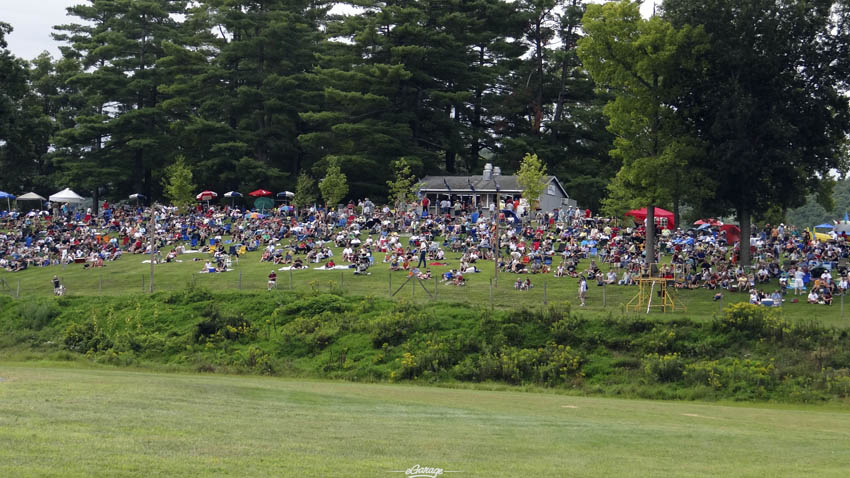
272,280
423,254
582,289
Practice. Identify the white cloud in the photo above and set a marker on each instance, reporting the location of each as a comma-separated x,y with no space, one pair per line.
33,23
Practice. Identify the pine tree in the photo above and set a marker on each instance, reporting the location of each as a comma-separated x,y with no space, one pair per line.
124,134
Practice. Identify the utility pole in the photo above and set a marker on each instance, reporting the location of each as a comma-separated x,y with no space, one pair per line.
152,227
496,249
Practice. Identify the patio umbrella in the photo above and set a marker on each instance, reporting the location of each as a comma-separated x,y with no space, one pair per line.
710,221
232,195
285,194
8,197
263,203
260,193
824,225
137,196
206,196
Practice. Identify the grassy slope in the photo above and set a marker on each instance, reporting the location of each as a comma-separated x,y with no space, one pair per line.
73,422
127,276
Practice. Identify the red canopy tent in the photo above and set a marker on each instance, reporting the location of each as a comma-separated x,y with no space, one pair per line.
640,215
733,233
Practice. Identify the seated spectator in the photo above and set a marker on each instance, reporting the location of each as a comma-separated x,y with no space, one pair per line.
813,297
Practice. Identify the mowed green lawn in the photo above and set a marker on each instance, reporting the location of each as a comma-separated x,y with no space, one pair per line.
130,276
69,422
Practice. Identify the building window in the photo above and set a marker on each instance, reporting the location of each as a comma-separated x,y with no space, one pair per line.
552,190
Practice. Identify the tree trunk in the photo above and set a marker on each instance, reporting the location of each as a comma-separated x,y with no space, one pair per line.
676,213
744,245
565,68
138,171
649,245
450,160
148,186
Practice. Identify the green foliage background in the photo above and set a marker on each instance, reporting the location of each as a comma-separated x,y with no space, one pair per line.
747,353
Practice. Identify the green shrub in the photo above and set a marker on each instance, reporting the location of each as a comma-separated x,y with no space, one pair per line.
731,374
392,328
86,337
255,359
561,365
752,320
660,339
37,314
217,327
316,331
316,304
567,329
664,368
191,294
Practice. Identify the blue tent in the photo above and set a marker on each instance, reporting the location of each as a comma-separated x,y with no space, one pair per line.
8,197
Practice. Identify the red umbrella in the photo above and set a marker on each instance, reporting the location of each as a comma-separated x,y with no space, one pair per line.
206,195
710,221
260,193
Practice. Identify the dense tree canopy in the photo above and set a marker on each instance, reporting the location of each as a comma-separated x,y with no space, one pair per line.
741,105
770,106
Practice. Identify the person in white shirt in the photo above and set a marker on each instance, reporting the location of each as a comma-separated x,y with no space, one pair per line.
813,297
843,285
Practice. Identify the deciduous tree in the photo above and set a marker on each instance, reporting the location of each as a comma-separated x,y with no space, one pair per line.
770,104
639,60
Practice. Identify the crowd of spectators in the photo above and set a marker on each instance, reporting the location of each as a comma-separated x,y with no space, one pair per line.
564,242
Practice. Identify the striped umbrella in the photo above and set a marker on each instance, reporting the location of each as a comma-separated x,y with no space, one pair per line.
206,196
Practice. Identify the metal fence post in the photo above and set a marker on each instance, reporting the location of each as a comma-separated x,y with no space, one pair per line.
436,287
604,301
491,294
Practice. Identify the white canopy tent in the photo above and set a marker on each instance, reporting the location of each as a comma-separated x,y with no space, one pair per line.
30,197
66,195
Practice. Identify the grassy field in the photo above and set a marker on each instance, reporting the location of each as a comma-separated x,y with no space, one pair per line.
130,276
73,422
